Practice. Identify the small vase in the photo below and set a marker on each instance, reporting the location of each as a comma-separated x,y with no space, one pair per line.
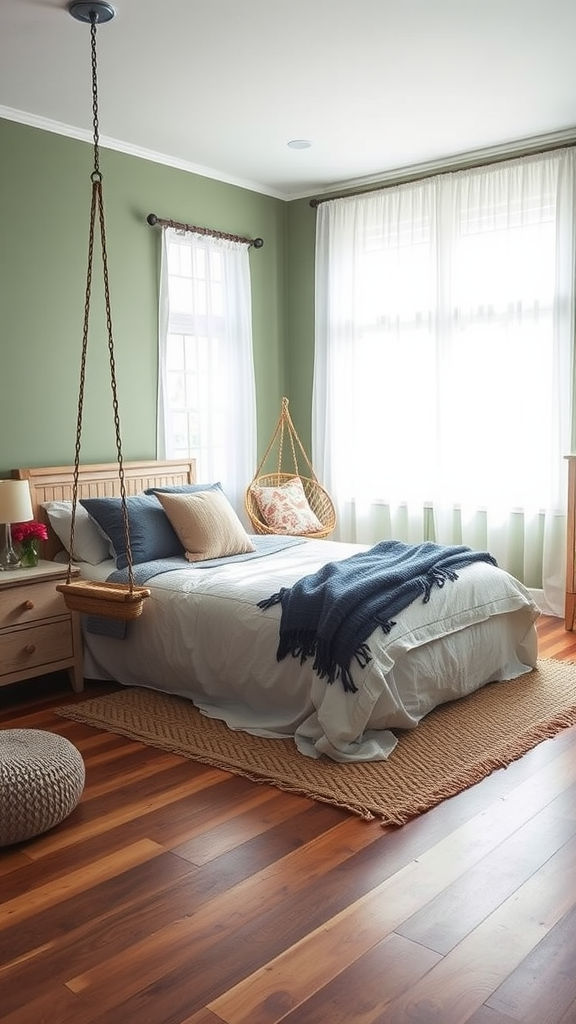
29,554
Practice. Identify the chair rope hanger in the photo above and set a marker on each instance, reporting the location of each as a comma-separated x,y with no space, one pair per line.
317,497
109,600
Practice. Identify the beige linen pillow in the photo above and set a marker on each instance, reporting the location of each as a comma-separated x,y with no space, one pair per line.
285,509
206,524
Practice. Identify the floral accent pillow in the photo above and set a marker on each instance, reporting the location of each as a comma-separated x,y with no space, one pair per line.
285,508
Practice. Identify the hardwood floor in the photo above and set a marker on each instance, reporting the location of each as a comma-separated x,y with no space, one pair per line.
176,893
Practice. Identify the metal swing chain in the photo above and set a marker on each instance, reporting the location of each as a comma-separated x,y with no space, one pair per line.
97,204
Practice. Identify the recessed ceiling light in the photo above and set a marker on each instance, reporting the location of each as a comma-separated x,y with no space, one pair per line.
299,144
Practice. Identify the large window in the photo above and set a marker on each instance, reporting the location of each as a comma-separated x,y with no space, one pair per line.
206,373
445,324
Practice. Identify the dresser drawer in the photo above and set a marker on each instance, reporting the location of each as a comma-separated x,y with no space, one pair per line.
30,602
23,648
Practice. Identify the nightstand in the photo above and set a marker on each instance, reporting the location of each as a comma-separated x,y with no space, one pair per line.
38,634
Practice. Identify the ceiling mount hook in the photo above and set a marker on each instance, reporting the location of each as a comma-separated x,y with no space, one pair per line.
87,10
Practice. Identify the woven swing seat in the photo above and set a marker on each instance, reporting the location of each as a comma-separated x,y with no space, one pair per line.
110,600
317,497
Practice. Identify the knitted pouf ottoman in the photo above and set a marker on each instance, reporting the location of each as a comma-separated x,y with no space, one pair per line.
41,781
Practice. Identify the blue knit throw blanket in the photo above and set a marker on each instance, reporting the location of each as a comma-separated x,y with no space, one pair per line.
330,614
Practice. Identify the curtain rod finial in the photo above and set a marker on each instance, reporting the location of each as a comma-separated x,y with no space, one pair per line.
152,219
258,243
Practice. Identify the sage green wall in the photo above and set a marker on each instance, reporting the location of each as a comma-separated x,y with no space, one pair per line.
44,214
300,248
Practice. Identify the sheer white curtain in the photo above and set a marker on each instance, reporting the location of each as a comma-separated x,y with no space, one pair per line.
443,362
206,390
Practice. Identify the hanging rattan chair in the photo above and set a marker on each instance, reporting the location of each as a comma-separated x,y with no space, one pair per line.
318,498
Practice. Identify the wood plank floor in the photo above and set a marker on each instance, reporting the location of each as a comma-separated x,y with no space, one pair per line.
176,893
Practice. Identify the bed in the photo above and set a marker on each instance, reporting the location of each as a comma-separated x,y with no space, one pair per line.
203,635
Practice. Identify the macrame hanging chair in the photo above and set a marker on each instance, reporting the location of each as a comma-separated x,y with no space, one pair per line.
123,601
318,498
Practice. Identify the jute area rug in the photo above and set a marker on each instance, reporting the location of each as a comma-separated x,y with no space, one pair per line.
454,747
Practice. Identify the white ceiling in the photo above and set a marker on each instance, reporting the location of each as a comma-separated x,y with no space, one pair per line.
220,87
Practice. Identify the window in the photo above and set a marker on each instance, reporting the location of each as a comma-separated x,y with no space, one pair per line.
206,372
443,359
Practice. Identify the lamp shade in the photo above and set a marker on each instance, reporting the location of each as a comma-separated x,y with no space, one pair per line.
15,503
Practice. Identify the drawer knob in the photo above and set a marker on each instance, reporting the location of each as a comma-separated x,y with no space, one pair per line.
30,648
28,605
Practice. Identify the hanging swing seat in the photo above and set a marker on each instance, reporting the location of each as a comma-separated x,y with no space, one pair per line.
123,601
317,497
110,600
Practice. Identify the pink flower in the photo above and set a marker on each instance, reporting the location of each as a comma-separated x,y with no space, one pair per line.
27,531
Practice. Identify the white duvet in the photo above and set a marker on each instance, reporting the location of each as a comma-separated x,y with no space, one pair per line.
202,636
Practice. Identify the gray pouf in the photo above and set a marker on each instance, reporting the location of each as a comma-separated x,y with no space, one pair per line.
41,781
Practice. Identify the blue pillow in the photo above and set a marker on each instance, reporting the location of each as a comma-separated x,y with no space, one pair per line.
151,533
184,488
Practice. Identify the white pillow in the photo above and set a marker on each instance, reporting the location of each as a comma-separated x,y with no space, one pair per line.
206,525
89,543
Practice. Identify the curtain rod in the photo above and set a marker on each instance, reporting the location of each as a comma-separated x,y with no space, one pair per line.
153,220
429,171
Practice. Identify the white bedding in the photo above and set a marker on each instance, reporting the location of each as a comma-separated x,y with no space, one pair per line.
202,636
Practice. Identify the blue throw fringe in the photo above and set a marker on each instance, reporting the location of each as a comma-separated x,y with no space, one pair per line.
330,614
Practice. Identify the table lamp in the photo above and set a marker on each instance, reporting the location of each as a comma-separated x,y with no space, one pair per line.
15,507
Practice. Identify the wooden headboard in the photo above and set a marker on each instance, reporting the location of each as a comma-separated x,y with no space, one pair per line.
55,483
